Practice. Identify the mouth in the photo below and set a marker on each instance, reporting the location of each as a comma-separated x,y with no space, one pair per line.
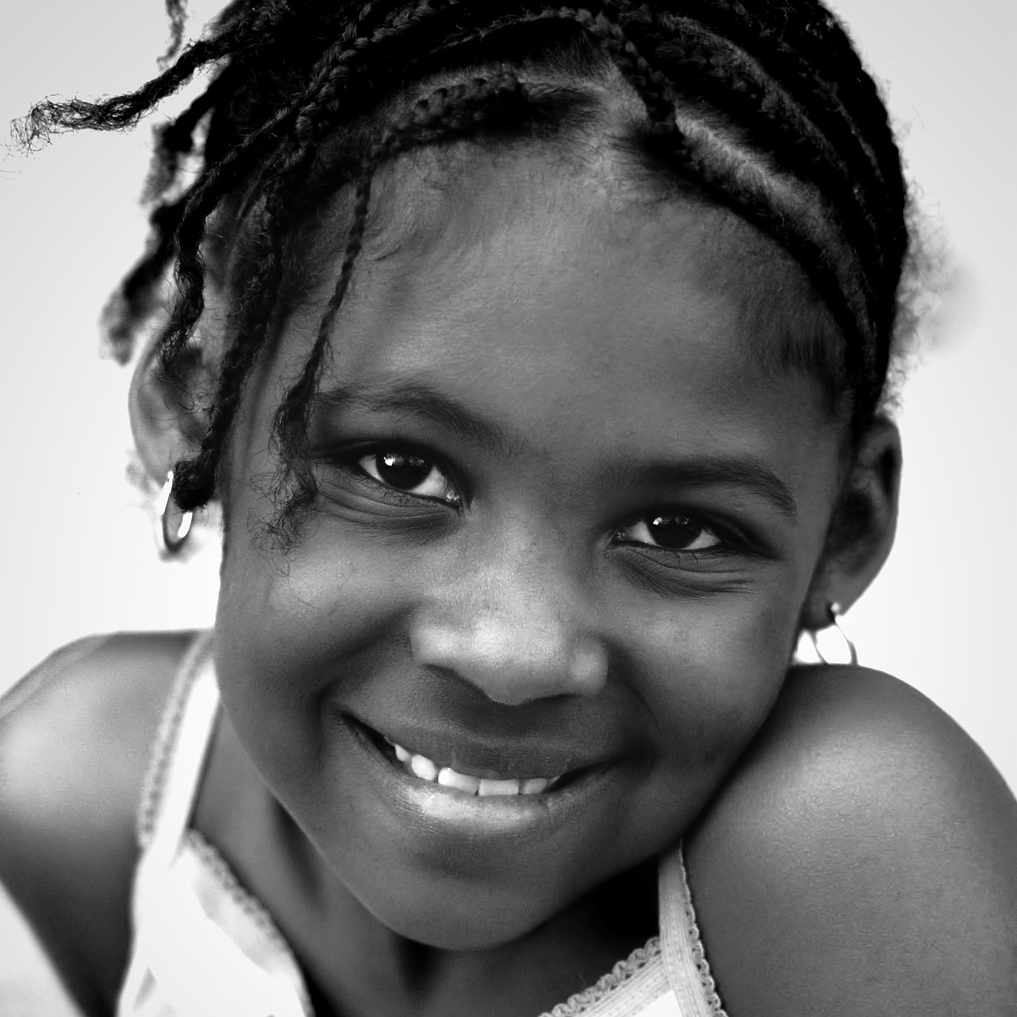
466,780
492,793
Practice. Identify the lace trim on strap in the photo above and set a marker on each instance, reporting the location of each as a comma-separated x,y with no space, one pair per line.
699,953
162,748
682,943
223,874
607,984
254,912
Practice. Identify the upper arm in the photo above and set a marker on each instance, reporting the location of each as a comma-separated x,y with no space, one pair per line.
74,741
862,860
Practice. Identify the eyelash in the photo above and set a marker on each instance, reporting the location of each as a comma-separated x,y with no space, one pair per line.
353,460
699,526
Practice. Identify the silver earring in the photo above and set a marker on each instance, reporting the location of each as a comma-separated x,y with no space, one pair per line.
835,612
174,525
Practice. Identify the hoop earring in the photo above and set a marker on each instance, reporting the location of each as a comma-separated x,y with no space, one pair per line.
835,611
174,524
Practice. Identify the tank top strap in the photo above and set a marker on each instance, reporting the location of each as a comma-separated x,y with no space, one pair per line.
177,762
688,971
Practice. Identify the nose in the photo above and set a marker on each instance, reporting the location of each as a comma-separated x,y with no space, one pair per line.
516,629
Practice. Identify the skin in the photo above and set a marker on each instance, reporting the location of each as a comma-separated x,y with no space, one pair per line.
512,615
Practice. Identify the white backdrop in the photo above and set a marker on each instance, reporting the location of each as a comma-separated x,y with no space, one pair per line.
77,551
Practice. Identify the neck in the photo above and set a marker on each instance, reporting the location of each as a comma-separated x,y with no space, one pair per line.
359,967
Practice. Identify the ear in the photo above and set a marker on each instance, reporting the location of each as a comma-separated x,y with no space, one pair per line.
862,528
166,415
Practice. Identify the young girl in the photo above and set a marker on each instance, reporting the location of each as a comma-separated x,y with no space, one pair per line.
537,359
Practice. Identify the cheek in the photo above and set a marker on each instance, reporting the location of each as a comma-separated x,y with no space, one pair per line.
288,628
710,679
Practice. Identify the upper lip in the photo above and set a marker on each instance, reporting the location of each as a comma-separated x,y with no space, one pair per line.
491,755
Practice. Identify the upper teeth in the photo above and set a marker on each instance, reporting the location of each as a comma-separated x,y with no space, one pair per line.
427,769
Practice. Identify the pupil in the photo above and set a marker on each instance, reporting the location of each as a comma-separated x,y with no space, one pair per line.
674,531
403,472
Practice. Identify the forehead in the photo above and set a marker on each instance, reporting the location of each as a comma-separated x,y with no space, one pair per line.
521,268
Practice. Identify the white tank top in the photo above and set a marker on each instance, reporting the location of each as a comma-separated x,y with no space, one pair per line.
202,946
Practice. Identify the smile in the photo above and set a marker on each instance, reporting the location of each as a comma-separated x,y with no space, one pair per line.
482,790
471,784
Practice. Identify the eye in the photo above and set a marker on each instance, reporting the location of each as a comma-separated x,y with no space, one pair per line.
409,473
673,531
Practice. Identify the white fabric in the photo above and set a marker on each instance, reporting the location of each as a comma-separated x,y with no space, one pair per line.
196,950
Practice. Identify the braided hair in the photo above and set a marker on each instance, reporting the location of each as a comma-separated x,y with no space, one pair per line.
759,106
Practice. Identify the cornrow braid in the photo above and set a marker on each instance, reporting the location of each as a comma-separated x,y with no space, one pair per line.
651,86
335,68
797,65
818,67
775,122
764,109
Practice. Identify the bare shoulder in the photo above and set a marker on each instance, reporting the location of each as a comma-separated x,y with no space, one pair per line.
861,860
75,736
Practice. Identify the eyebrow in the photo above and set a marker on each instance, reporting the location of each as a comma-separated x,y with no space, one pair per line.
421,401
705,471
429,404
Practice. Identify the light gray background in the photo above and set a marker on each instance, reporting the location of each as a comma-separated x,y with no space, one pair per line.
77,552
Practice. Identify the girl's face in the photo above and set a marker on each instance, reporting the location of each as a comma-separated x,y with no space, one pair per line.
565,528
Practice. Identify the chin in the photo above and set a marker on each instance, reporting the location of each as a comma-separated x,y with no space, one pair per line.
460,920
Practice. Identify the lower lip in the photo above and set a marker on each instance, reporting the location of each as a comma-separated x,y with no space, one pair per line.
474,816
